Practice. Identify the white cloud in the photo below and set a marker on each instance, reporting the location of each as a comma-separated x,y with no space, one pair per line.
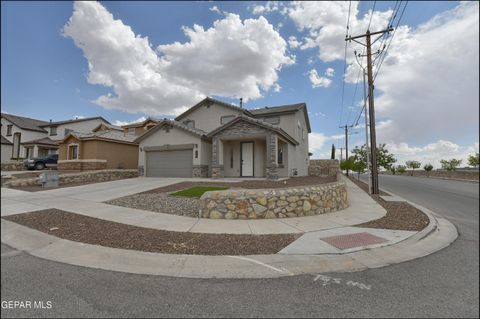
234,58
269,7
121,123
329,72
318,81
215,9
293,42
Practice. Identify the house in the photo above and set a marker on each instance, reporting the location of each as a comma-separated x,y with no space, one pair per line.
140,127
6,151
58,130
217,139
101,149
27,137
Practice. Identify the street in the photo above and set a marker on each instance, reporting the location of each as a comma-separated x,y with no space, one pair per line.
444,284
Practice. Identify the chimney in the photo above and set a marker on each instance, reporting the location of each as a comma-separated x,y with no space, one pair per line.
241,102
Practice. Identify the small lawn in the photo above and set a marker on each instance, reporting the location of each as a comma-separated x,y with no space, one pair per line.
198,191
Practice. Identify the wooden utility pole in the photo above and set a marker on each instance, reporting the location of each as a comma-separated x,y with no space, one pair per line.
346,142
373,137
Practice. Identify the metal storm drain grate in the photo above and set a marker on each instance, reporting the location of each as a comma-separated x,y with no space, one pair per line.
353,240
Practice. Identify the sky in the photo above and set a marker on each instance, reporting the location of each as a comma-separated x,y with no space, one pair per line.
126,61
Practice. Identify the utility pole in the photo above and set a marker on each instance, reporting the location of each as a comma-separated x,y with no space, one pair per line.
373,138
366,130
346,142
341,154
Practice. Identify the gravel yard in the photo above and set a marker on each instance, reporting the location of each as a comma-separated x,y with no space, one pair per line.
95,231
158,199
400,215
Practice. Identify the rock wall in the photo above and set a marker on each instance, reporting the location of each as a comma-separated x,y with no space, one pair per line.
83,177
459,174
323,167
274,203
81,165
12,166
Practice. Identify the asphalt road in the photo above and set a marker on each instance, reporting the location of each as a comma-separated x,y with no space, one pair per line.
444,284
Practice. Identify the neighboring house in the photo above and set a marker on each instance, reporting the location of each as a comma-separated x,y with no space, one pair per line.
27,137
139,128
98,150
218,139
107,127
59,129
7,148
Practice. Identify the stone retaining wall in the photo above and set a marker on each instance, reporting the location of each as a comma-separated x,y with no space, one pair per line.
274,203
459,174
82,177
81,165
12,166
323,167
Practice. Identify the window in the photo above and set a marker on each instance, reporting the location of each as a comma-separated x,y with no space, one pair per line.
53,130
196,154
280,155
9,130
303,133
68,131
73,152
189,123
231,158
226,119
272,120
131,130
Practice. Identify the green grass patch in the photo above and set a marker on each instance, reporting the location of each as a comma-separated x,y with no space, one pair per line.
198,191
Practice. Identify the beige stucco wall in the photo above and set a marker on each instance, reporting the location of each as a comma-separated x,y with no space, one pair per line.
208,118
83,127
26,135
6,153
176,136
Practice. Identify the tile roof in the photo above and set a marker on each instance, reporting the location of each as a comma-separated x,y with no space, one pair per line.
277,109
174,123
25,123
109,126
211,100
107,134
42,141
140,124
75,121
5,141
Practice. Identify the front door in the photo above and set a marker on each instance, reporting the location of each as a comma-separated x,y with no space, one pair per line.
246,157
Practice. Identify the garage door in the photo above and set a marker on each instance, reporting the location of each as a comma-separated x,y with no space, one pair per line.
169,163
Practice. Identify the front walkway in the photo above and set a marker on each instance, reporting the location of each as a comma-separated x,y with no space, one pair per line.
87,200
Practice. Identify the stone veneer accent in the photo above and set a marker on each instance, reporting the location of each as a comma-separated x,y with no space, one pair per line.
82,177
217,171
12,166
274,203
81,165
323,167
200,171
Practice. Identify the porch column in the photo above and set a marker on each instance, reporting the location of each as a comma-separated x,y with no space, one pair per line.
272,161
217,158
35,151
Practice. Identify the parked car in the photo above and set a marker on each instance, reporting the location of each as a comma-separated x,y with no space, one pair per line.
41,162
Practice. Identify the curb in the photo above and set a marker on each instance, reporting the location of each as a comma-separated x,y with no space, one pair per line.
439,234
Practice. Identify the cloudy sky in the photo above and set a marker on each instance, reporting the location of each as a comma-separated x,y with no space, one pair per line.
129,60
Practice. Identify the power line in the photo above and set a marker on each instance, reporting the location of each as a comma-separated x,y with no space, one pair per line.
345,64
371,15
390,42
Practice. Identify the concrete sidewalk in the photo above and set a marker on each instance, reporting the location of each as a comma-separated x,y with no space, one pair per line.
319,249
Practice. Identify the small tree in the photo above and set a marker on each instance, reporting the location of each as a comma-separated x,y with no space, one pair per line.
333,152
393,169
401,169
474,159
428,167
413,165
384,158
450,165
347,164
359,167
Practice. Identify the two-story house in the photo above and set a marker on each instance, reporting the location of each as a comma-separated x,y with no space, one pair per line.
218,139
139,128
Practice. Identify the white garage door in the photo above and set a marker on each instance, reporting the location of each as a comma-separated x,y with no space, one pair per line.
169,163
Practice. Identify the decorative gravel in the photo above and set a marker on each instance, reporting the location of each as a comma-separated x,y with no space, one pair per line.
400,215
158,199
95,231
160,203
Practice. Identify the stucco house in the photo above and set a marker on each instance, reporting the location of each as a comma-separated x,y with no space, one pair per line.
6,151
101,149
139,128
217,139
58,130
27,137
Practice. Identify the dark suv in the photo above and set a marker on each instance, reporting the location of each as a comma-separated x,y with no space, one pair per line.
41,162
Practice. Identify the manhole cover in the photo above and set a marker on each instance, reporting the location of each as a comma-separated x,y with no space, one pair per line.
353,240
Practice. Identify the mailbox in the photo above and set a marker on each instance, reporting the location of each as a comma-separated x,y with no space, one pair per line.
49,179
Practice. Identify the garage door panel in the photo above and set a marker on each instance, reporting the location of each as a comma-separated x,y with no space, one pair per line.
169,163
